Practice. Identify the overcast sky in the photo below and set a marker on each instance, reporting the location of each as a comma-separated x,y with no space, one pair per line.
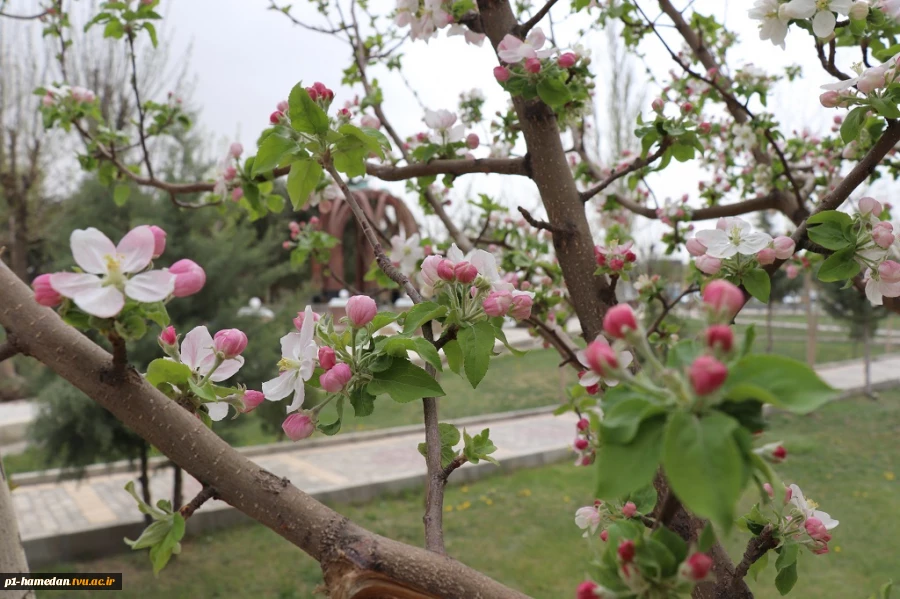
243,59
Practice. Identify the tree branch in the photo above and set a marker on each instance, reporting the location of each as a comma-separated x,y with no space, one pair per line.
772,200
205,494
500,166
635,165
540,224
139,105
828,64
8,349
274,502
756,548
523,29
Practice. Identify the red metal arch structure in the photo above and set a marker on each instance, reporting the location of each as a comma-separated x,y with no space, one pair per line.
389,216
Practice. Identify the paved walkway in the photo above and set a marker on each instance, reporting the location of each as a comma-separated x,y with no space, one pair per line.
831,328
348,469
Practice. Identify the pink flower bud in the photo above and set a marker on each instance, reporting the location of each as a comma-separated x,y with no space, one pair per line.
720,336
769,490
658,105
230,173
497,303
870,206
616,264
567,60
581,443
286,245
583,424
159,241
696,567
236,150
298,425
326,358
429,274
600,357
723,297
619,320
704,128
687,107
784,247
335,379
630,256
521,306
626,550
788,493
230,342
236,194
533,65
816,529
251,400
44,294
707,374
791,271
372,122
465,272
283,106
445,270
189,277
629,510
168,337
501,74
695,247
314,222
361,309
707,264
301,316
604,535
779,453
275,117
882,234
889,271
586,590
766,256
472,141
830,99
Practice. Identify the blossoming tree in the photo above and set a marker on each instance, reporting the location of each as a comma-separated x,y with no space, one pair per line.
666,426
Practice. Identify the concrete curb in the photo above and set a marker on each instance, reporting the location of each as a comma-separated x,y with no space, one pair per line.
103,540
59,474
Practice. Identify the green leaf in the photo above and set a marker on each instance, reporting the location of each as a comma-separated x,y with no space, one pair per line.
302,181
501,336
778,380
787,556
427,352
162,552
206,392
371,144
787,578
454,355
362,401
157,313
132,327
749,338
271,152
450,436
840,266
884,592
620,424
404,382
842,219
707,538
334,428
553,92
622,469
151,535
704,465
830,235
163,370
114,29
306,116
479,447
151,31
381,320
144,507
757,284
675,545
275,203
420,314
852,124
120,194
477,344
398,346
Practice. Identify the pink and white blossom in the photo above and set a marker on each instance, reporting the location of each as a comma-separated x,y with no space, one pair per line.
821,11
736,237
512,50
198,352
110,272
442,122
807,508
773,26
588,519
406,253
602,361
298,360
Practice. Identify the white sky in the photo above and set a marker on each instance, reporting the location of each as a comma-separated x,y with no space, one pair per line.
245,58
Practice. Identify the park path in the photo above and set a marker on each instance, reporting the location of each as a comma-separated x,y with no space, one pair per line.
70,519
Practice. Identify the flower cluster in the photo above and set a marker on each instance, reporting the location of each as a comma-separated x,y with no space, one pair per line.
110,275
614,259
776,15
473,285
733,248
52,96
406,253
227,171
795,520
426,17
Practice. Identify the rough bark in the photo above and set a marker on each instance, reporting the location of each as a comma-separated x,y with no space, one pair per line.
12,554
145,480
274,502
177,486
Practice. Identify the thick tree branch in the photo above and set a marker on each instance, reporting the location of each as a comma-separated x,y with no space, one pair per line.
756,548
771,201
500,166
274,502
633,166
8,349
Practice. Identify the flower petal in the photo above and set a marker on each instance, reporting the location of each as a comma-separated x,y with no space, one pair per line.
69,284
873,294
227,369
823,23
308,328
454,254
103,302
136,249
196,347
708,236
90,248
299,395
752,243
536,38
217,410
279,387
151,286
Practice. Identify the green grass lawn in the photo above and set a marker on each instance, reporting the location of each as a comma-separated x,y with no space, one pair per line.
519,528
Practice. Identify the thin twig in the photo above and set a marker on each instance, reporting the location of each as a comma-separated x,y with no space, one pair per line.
635,165
140,106
205,494
540,224
456,463
667,307
525,27
26,17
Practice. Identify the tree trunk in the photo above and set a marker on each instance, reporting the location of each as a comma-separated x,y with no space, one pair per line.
12,554
145,479
770,341
177,485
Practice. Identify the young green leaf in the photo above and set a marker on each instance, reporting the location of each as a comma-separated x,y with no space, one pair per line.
839,266
757,284
450,436
306,116
778,380
477,344
162,370
302,181
404,382
479,447
622,469
271,151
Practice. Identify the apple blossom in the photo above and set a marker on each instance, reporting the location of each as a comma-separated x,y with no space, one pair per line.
583,424
629,509
708,265
567,60
189,277
159,241
586,590
406,253
299,425
301,317
236,194
168,337
275,117
603,362
707,374
720,336
869,206
784,247
445,270
695,247
442,121
774,26
626,550
822,12
765,256
299,352
317,91
465,272
512,50
696,567
472,141
588,519
501,74
230,342
816,529
361,309
198,352
327,359
521,306
704,128
604,535
251,400
859,10
236,149
334,379
807,508
497,303
723,297
533,65
619,320
580,444
44,294
658,105
735,237
830,99
885,282
372,122
882,234
890,8
101,289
